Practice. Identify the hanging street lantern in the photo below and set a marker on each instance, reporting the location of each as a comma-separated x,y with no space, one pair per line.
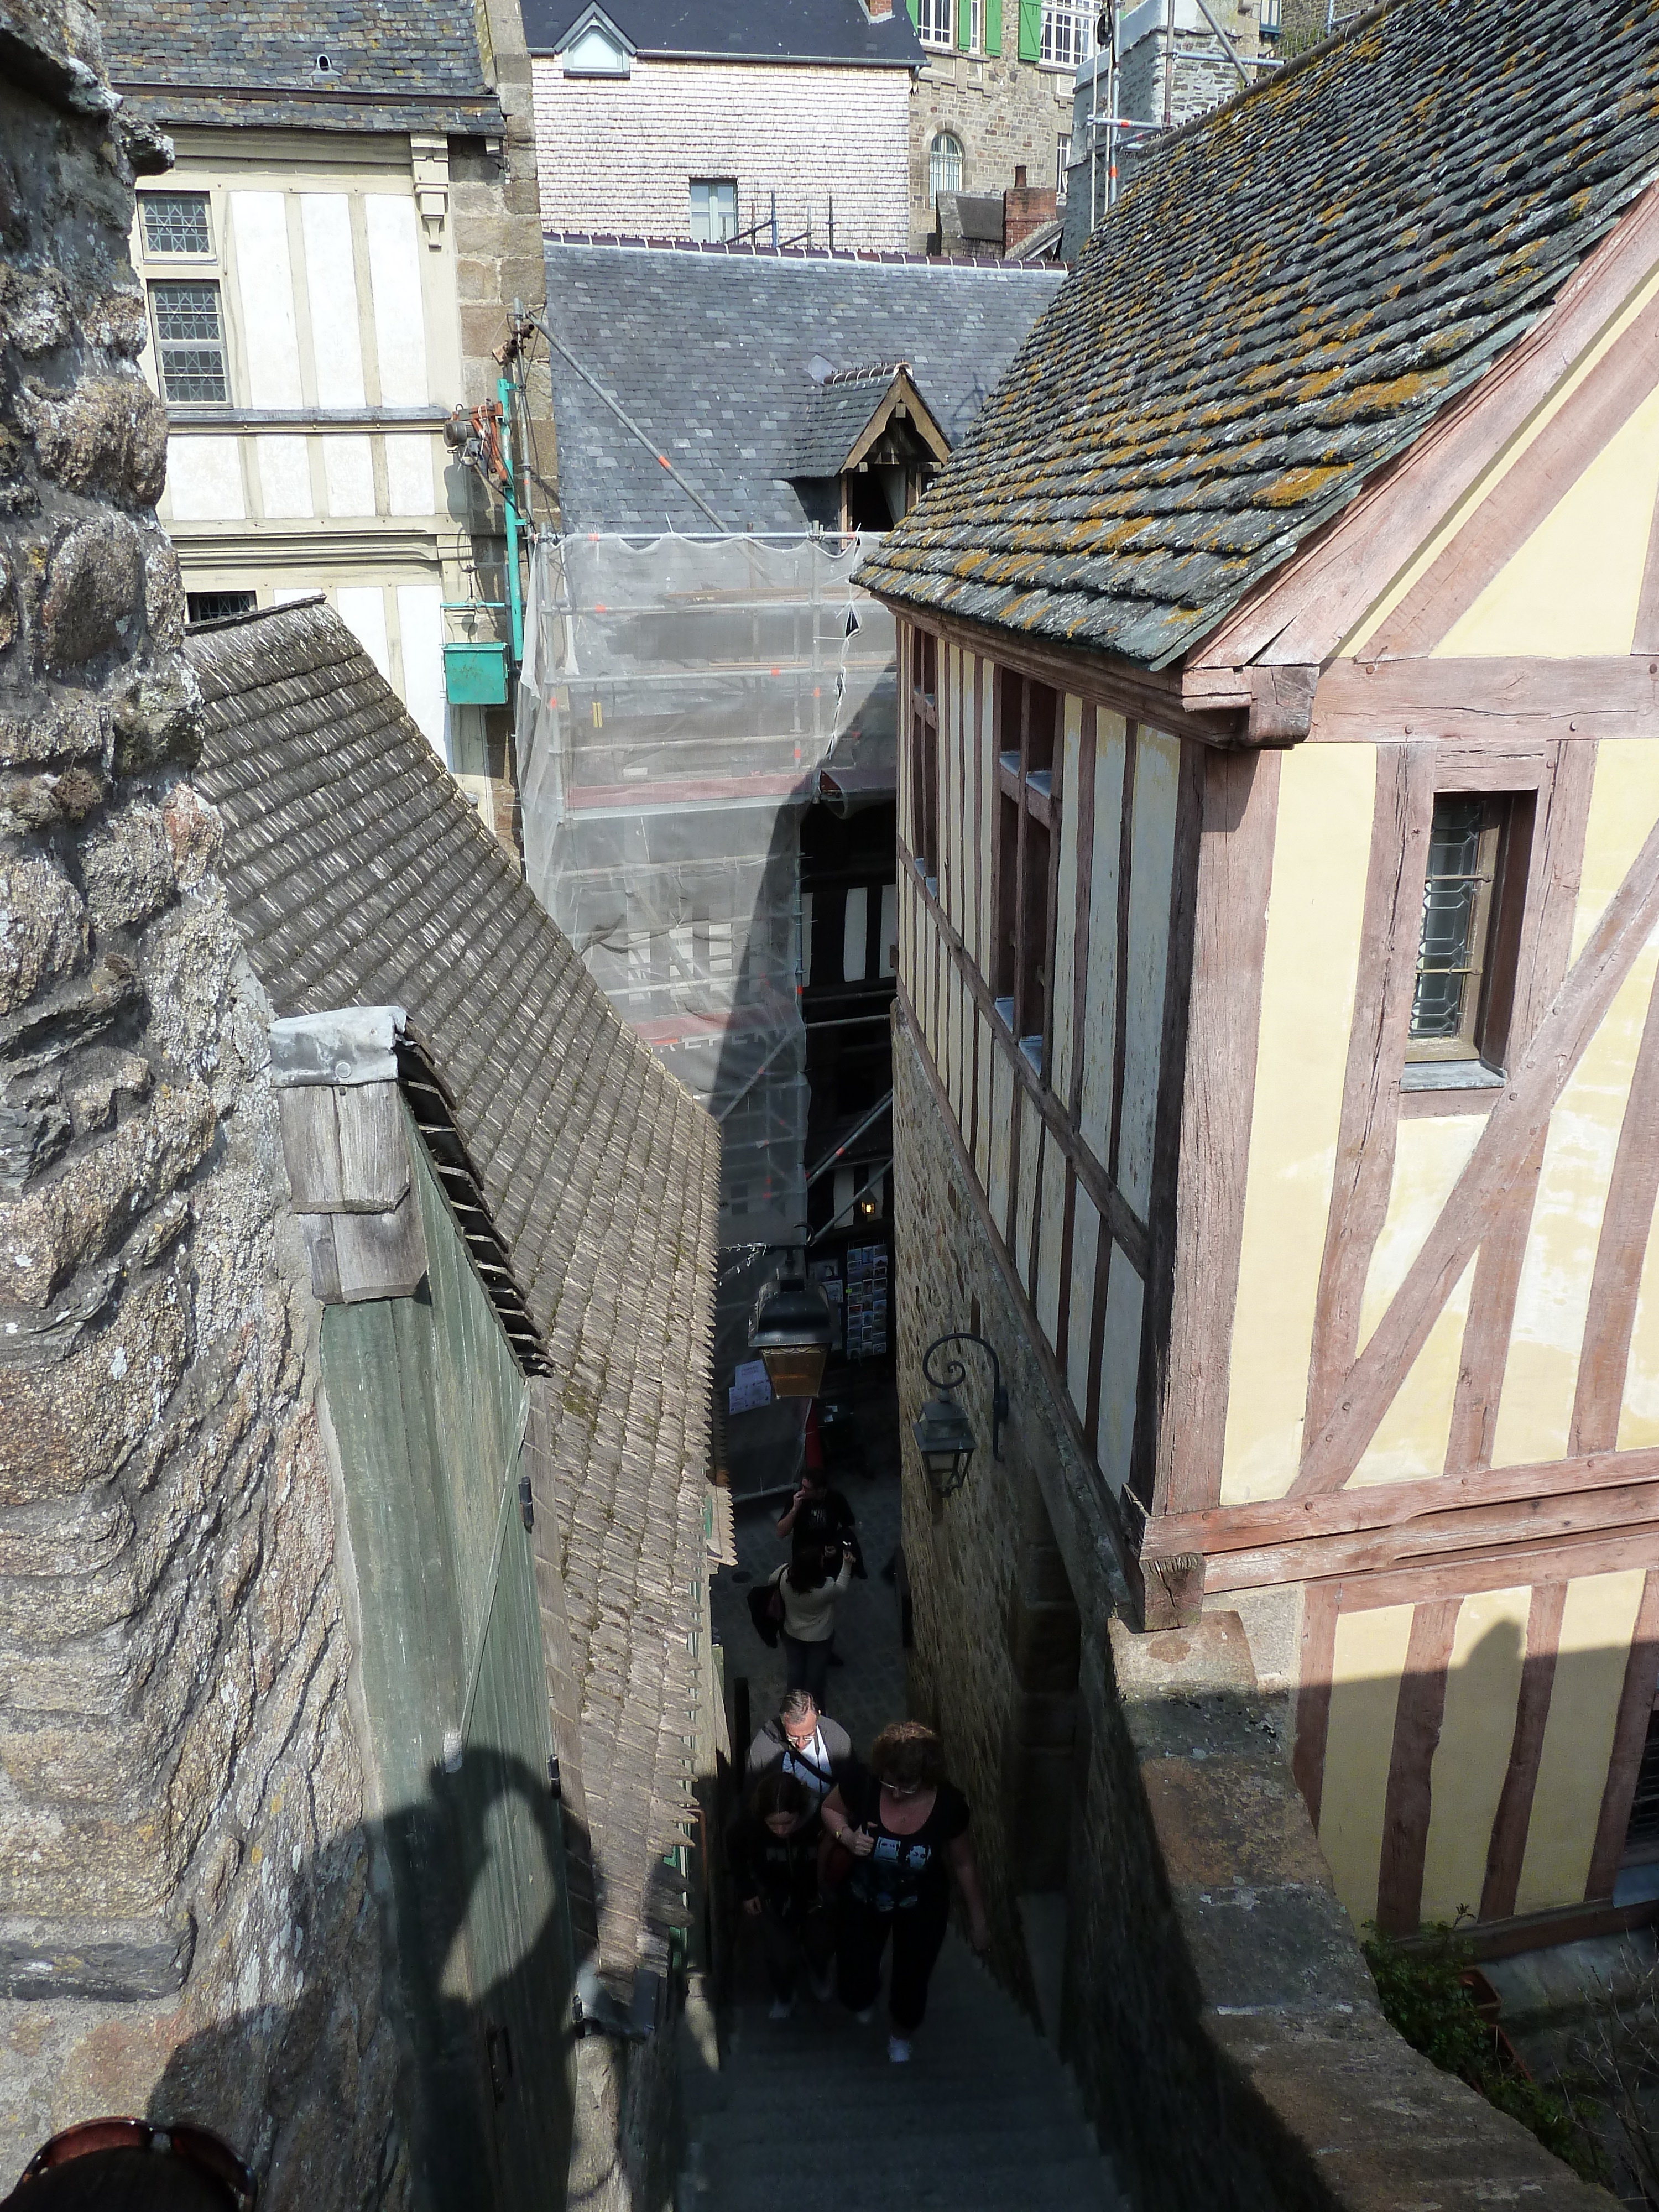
791,1331
945,1436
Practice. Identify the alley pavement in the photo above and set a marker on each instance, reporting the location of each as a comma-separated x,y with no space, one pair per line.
867,1691
809,2111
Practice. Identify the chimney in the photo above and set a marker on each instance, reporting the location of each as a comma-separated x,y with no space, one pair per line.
1025,210
878,11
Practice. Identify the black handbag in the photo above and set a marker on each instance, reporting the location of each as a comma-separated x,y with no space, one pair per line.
766,1611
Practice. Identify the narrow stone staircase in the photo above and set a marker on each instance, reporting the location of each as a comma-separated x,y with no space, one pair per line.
809,2114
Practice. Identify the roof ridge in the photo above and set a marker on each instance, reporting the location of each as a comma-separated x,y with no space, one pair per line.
255,615
1196,124
731,249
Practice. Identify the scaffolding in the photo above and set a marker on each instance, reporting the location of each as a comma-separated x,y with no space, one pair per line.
682,699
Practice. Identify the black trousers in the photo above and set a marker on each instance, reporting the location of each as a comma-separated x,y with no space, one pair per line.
917,1934
786,1943
806,1666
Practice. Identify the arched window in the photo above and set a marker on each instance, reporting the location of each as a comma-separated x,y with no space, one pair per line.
945,165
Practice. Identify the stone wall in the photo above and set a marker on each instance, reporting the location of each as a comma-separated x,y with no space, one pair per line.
619,153
1131,1796
1002,112
186,1922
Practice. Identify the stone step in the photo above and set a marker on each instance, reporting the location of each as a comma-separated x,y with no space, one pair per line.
807,2069
982,2120
953,2113
1057,2186
988,2127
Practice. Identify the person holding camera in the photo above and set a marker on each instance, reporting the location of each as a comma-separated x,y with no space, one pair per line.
810,1587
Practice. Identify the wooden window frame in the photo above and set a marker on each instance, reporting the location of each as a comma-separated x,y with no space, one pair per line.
197,278
1025,862
1433,1083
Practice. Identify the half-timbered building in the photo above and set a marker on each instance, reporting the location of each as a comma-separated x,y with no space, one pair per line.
1280,930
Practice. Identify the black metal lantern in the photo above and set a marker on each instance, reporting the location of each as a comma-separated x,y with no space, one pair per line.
791,1329
945,1436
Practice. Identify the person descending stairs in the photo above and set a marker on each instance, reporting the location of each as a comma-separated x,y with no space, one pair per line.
808,2114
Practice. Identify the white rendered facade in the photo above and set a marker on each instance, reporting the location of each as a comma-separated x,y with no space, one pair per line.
323,466
618,152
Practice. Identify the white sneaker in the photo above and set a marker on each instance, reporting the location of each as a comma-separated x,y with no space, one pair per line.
898,2049
781,2008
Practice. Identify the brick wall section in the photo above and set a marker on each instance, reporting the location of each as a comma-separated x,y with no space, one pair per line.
1002,112
1215,2005
617,154
185,1925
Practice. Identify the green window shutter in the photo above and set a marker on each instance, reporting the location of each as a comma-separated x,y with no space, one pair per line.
1031,30
965,25
911,5
994,26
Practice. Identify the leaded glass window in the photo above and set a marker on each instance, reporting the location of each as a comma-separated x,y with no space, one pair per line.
190,341
176,222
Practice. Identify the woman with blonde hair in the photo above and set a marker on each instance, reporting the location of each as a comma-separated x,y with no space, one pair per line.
901,1821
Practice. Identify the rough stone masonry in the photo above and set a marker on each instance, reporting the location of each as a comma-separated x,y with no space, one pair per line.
186,1920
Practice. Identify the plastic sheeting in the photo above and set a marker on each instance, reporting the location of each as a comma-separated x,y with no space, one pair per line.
681,701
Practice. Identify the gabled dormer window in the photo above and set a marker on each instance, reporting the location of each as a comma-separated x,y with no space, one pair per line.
596,47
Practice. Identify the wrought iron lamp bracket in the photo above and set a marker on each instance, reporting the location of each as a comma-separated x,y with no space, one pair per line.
954,1373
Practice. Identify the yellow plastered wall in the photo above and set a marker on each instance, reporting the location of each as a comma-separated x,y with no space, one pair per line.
1085,1245
1409,1443
1315,911
1366,1667
1541,1375
1411,1438
1477,1729
1572,587
1025,1191
1151,856
1513,455
1597,1625
1100,1026
1624,807
1051,1241
1065,900
1120,1369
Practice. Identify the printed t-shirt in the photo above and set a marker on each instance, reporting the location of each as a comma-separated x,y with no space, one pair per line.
902,1871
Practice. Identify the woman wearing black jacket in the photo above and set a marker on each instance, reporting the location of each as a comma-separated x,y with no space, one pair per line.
773,1846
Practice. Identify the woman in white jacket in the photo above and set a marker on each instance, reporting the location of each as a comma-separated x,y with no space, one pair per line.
810,1587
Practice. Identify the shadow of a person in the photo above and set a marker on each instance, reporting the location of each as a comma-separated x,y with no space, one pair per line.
452,2084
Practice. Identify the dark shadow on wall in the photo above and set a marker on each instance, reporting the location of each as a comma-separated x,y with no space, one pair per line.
477,2033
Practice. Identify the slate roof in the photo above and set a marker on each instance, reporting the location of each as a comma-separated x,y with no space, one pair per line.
832,418
361,876
744,30
1281,302
709,353
393,65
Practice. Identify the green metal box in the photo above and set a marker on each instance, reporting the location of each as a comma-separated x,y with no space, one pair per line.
476,675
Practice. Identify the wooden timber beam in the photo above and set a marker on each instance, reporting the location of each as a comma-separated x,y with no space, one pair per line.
1487,702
